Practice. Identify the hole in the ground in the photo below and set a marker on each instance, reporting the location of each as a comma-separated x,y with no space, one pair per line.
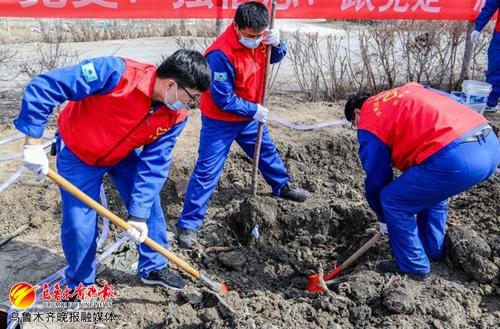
295,239
336,212
285,223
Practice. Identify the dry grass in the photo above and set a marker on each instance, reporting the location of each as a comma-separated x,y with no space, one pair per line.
6,55
369,57
83,30
53,35
383,55
49,56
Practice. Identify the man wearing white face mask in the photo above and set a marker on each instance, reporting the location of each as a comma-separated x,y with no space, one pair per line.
115,106
231,111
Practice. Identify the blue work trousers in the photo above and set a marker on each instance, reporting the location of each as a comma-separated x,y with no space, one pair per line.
493,74
216,138
79,230
415,204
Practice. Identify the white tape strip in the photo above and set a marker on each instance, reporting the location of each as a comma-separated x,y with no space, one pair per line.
6,157
315,126
12,178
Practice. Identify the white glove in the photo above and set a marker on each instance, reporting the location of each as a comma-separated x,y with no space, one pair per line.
272,38
383,228
35,159
261,114
139,230
474,36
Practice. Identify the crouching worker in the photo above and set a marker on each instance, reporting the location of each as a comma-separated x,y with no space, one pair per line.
442,147
116,106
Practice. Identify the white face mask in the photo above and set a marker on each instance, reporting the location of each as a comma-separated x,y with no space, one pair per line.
175,106
250,43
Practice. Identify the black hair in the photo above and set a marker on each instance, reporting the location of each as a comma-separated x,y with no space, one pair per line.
188,67
354,102
253,15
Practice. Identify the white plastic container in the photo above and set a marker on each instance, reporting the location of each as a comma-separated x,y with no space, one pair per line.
476,94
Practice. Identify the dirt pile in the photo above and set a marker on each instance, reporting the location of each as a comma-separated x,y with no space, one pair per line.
268,273
472,253
256,214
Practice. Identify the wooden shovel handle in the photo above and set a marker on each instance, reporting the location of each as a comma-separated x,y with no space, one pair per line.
61,181
361,250
256,154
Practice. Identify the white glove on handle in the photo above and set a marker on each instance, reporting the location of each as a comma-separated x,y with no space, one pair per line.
35,159
383,228
139,230
272,38
261,114
474,36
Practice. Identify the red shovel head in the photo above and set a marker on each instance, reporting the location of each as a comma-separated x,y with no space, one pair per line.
313,284
224,288
313,281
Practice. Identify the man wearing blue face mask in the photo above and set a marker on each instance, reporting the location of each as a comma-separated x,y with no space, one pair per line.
231,110
116,106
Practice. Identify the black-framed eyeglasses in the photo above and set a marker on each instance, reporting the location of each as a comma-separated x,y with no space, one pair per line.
195,99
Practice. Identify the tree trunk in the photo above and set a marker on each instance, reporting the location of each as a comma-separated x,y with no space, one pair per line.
464,73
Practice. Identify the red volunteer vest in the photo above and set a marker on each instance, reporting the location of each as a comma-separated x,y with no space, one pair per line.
415,122
103,129
249,66
497,26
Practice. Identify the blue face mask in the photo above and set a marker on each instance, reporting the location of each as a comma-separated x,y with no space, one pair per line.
250,43
177,105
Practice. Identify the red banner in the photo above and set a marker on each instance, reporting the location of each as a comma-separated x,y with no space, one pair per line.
329,9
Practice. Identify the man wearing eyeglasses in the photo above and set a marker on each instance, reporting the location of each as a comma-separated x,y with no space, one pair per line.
122,119
231,110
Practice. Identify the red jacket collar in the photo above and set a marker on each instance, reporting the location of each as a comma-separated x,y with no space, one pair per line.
233,37
147,81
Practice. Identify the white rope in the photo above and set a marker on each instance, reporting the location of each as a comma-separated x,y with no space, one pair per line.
105,220
315,126
11,138
6,157
12,178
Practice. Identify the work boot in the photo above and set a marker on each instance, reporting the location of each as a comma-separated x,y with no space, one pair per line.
391,266
490,109
165,278
294,194
186,238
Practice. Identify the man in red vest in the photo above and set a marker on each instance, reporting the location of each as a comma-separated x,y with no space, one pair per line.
231,110
442,148
122,119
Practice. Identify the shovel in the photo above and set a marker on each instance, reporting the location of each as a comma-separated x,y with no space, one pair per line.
256,156
316,283
217,287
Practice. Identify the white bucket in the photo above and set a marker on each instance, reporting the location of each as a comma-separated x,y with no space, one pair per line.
476,94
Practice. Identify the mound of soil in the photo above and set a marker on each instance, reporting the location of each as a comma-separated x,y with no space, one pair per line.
472,253
267,271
